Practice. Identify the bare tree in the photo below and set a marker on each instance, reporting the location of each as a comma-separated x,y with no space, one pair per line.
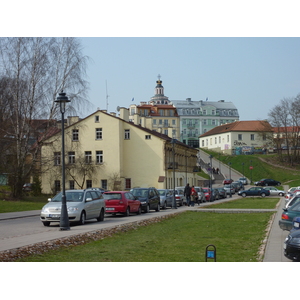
35,71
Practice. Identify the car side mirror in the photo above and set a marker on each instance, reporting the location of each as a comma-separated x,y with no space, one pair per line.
88,199
49,199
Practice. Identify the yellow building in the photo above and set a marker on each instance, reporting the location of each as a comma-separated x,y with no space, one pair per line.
106,151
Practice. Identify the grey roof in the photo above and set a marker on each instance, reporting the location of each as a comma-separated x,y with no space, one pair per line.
221,104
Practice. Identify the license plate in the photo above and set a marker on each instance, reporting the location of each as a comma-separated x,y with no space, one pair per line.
54,216
110,208
296,224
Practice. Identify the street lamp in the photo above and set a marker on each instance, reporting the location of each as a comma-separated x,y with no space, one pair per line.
173,142
62,99
210,181
230,179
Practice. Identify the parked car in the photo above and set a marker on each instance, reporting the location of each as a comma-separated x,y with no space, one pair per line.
201,195
267,182
121,202
179,195
274,191
27,187
293,201
254,191
82,205
215,194
149,198
166,198
207,192
222,193
227,181
291,246
243,180
228,187
288,215
237,185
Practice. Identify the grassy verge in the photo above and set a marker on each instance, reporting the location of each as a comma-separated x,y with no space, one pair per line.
182,238
247,203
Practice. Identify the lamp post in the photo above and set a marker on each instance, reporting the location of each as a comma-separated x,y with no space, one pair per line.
62,99
243,164
210,181
230,179
173,142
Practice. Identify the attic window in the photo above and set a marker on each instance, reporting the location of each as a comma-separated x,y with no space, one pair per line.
97,119
147,137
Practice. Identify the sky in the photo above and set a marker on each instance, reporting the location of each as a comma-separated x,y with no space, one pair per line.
254,73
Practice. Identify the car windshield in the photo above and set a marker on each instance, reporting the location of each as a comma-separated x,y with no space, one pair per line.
162,192
70,197
227,185
110,196
140,192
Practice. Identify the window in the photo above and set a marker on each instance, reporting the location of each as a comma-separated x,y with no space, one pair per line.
166,131
240,137
252,137
104,184
57,158
219,140
202,143
213,112
161,112
88,157
204,111
99,157
98,133
160,121
97,119
171,113
204,122
147,137
127,183
71,157
213,122
75,135
215,140
154,121
72,184
173,122
166,123
127,134
57,186
89,184
227,138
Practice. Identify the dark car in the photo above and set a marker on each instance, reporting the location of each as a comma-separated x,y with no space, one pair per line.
254,191
215,194
268,182
149,198
288,215
222,193
121,202
291,246
239,185
27,187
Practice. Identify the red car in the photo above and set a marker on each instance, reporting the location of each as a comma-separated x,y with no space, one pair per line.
207,192
121,202
227,181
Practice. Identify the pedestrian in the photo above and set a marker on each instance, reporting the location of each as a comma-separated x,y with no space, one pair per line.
187,194
217,170
193,196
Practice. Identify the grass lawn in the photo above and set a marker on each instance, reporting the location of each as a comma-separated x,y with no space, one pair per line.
247,203
11,206
182,238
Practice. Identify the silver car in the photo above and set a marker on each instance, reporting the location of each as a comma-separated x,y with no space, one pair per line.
82,205
166,198
274,191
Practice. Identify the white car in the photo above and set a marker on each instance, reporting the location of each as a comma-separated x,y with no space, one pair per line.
274,191
82,205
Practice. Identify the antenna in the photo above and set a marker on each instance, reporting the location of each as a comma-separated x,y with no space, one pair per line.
106,96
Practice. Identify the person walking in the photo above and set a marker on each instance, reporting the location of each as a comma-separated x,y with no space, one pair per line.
193,196
187,194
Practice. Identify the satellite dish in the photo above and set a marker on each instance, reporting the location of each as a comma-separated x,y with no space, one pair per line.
118,108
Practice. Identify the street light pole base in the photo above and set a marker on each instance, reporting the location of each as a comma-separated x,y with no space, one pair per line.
64,228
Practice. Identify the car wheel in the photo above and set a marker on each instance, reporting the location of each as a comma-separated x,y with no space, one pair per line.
101,216
278,184
82,218
147,209
181,203
139,211
280,194
46,223
158,207
266,184
244,195
127,213
165,205
263,195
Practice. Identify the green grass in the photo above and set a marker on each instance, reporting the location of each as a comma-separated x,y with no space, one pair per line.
247,203
182,238
14,206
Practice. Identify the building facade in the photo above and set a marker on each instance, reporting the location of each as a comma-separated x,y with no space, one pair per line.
106,151
241,137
